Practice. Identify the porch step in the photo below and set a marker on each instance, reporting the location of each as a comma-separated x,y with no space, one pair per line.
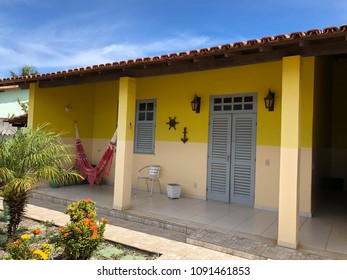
231,242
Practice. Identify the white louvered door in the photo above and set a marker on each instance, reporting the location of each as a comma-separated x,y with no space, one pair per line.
231,149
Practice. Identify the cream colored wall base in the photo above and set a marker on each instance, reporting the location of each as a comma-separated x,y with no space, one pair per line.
288,245
184,164
267,178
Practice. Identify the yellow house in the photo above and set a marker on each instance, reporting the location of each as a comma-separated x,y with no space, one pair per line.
233,148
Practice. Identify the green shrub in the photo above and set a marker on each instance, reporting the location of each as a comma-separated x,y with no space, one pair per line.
83,234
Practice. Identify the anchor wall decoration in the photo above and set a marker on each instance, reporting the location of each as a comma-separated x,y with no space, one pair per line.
184,139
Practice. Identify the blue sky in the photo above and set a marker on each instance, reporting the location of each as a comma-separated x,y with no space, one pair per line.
55,35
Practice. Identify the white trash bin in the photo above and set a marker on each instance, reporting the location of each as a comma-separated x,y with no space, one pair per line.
173,190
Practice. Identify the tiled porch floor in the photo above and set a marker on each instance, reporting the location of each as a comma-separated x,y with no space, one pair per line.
327,230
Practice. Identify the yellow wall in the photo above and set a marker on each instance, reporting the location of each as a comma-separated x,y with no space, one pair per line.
175,92
268,156
94,106
186,164
105,109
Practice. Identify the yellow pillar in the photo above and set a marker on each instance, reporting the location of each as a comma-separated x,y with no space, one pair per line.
32,92
288,214
125,143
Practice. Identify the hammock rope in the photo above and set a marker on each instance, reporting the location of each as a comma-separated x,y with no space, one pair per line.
102,169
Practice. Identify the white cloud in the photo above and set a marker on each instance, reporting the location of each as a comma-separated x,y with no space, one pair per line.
64,55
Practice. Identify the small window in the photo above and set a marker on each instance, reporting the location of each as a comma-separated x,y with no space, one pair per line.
142,116
238,99
248,107
145,126
230,103
238,107
248,98
142,107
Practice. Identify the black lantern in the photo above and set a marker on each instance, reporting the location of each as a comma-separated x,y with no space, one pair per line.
196,104
270,101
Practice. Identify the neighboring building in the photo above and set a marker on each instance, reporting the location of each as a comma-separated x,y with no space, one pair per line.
237,150
9,107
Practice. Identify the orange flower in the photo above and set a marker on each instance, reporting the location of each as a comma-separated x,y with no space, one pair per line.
87,221
62,229
87,200
36,231
104,220
66,234
94,227
89,215
95,235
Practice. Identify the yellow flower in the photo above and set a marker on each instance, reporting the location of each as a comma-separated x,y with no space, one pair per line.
40,253
46,248
25,236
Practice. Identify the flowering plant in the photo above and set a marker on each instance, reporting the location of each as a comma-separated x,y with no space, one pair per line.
24,249
83,234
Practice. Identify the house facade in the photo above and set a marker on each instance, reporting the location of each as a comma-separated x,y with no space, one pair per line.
9,106
234,149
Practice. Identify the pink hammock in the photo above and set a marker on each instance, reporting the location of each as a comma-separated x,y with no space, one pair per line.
97,173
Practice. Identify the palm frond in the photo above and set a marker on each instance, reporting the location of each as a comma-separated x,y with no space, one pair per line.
18,186
6,174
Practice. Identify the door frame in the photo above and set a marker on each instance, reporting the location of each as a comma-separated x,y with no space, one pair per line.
227,107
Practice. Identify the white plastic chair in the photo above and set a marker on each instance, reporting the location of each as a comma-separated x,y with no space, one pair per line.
151,176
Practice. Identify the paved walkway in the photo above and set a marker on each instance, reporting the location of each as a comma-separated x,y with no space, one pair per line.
167,248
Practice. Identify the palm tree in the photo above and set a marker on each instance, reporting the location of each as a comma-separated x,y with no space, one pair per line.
26,70
29,157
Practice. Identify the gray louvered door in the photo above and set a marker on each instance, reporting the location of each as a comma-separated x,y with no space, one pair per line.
219,158
243,159
231,157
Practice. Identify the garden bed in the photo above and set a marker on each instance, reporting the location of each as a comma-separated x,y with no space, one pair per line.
49,232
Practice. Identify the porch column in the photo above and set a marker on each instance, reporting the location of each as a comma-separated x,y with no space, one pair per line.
125,142
32,91
288,214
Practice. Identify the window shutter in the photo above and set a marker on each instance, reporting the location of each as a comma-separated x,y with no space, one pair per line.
145,127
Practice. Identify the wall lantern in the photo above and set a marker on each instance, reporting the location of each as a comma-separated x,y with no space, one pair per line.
196,104
270,101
